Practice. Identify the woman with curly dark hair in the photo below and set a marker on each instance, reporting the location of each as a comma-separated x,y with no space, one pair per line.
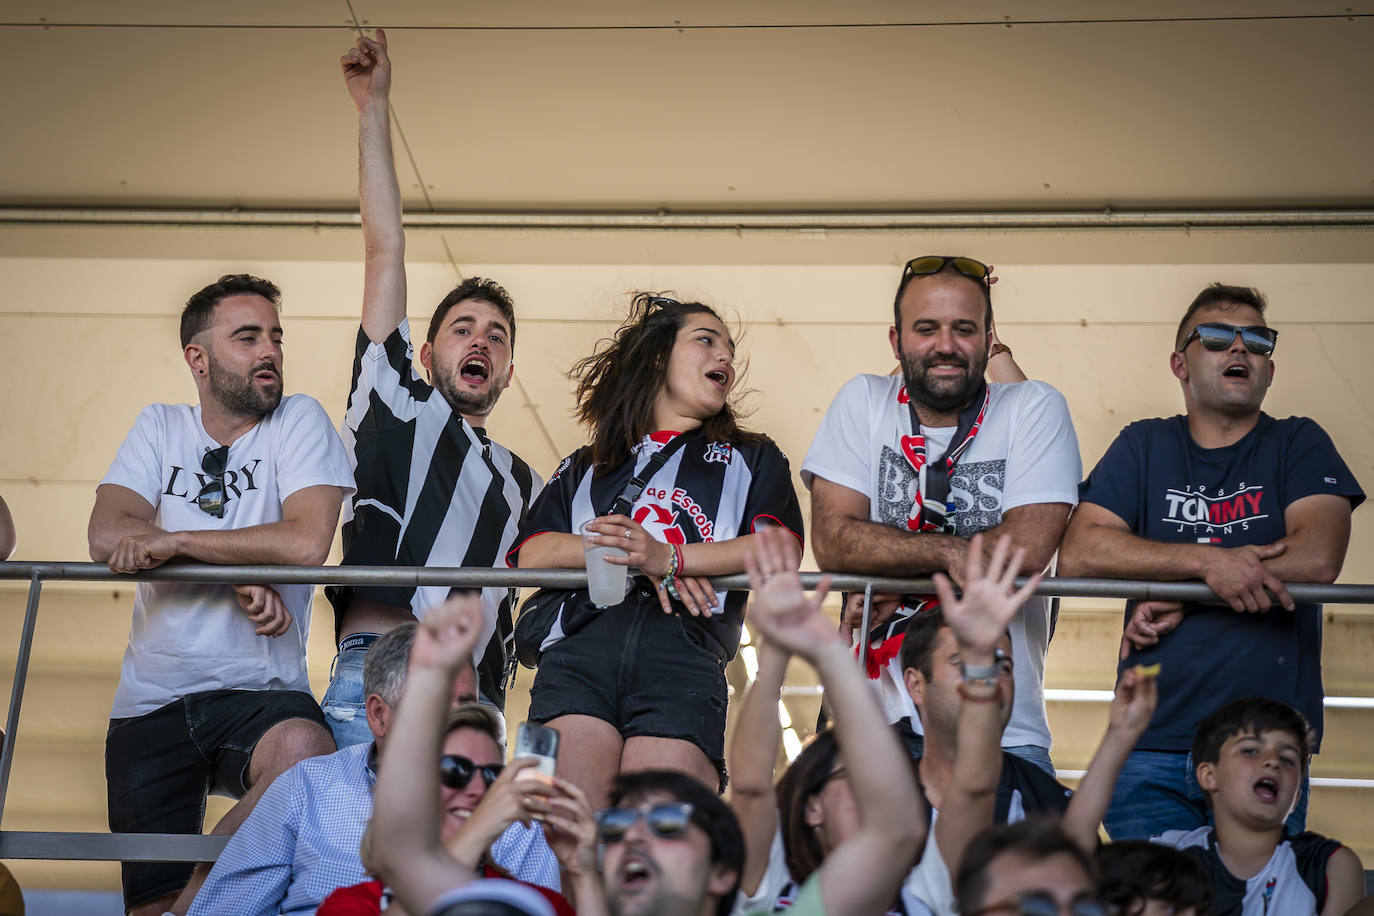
671,480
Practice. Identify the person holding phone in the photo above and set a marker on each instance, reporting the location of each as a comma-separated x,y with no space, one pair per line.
640,684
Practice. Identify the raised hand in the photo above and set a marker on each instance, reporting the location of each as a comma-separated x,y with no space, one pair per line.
1149,621
264,607
1137,695
447,635
980,617
784,615
367,70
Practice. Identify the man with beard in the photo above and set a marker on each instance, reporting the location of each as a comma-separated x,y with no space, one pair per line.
1227,494
213,691
433,489
905,469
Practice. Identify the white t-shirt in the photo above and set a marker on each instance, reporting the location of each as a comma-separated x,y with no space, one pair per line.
1025,453
186,638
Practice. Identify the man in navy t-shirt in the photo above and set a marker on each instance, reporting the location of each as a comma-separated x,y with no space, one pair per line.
1229,495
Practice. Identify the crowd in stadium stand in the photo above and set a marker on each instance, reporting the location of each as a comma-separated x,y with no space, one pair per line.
931,790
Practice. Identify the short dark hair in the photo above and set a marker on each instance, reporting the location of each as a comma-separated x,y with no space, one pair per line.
1250,716
1219,294
947,269
200,308
1034,839
1138,870
481,289
708,812
918,645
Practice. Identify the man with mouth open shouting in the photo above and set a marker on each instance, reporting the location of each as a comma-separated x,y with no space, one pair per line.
433,489
1227,494
905,469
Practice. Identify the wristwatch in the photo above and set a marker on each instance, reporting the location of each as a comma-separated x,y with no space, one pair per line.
985,674
998,348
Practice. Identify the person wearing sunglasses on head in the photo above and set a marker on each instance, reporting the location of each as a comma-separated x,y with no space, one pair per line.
1030,868
213,689
905,469
1229,495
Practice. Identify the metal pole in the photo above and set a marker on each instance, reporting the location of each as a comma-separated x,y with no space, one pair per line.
21,673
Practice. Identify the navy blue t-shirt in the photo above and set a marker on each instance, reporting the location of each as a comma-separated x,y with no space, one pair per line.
1166,488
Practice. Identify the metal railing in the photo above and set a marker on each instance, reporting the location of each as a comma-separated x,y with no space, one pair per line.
162,847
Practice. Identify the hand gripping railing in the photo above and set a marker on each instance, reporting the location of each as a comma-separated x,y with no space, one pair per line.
167,847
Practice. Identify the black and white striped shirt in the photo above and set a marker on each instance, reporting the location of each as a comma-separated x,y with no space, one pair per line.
432,490
706,492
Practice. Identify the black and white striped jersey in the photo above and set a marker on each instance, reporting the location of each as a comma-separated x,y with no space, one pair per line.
705,492
432,490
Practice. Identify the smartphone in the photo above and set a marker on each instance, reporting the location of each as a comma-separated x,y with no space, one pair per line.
540,742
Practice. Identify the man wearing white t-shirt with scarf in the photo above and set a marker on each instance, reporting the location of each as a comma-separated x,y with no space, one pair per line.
213,691
904,469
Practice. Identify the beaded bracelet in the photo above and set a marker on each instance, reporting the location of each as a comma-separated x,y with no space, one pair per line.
669,582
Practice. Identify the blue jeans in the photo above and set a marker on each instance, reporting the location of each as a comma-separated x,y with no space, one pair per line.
1158,791
345,702
1033,753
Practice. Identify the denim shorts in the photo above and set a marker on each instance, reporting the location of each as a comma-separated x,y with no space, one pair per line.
345,702
648,673
160,766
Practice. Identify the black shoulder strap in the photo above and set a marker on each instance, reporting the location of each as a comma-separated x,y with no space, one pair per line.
636,484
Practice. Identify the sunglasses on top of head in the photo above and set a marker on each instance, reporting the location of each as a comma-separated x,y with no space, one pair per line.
456,771
1216,335
669,819
928,264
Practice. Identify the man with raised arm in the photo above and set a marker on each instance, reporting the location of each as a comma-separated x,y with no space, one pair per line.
433,489
1227,494
213,691
905,469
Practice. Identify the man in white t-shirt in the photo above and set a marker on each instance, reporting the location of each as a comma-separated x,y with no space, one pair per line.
904,469
213,693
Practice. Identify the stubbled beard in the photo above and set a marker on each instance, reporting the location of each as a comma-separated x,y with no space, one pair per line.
239,394
941,395
470,403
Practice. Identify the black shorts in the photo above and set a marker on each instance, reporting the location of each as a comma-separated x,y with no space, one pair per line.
160,766
647,673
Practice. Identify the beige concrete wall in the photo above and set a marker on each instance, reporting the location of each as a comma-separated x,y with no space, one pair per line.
91,338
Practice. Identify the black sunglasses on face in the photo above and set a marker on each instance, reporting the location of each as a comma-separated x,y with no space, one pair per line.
456,771
1216,335
211,497
670,819
928,264
1042,903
